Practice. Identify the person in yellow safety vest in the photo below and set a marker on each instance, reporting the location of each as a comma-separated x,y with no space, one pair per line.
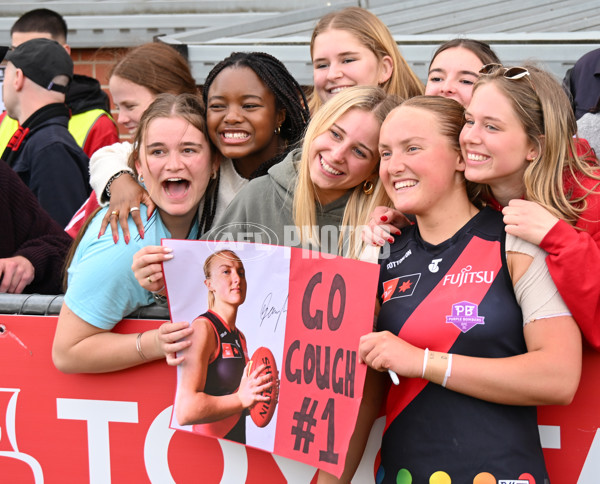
91,125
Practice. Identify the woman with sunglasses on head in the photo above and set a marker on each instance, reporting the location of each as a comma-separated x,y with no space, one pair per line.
469,319
520,144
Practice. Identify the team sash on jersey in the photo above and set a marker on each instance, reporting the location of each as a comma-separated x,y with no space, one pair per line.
223,426
429,318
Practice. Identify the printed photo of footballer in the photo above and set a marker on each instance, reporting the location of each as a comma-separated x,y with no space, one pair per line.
218,384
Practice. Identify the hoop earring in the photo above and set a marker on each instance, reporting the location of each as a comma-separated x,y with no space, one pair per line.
277,130
368,187
213,176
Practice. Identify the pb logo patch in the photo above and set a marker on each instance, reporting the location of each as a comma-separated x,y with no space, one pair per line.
464,316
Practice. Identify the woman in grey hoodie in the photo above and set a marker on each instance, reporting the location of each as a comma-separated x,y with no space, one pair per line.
320,194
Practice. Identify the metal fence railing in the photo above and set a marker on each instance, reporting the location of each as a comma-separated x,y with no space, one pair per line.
42,305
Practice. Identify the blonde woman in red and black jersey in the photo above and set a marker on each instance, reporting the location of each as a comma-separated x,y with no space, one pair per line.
216,385
470,321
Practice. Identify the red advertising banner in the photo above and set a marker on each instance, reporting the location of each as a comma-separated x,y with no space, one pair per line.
571,434
58,428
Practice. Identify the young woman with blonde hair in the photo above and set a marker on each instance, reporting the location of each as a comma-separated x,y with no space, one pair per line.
520,142
469,318
215,389
353,47
320,194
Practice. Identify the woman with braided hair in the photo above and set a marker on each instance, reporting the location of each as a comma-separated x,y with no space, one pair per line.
257,114
256,111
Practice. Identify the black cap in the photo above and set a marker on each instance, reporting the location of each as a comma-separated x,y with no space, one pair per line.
41,60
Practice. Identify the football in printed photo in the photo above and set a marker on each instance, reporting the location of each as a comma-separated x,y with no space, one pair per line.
262,412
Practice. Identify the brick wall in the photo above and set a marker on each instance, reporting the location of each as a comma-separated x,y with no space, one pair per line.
97,63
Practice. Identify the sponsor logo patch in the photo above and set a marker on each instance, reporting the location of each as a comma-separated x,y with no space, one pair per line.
433,267
400,287
468,276
230,351
391,265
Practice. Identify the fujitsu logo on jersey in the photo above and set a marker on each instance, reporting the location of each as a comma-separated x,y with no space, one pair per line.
468,276
393,264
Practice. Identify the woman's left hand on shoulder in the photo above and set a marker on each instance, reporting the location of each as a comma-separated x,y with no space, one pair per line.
383,224
528,220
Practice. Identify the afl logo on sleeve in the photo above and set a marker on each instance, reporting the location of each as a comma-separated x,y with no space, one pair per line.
400,287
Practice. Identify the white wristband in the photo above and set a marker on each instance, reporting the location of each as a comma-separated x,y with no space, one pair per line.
425,361
448,370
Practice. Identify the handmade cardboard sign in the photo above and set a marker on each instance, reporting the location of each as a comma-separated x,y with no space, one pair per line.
297,316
